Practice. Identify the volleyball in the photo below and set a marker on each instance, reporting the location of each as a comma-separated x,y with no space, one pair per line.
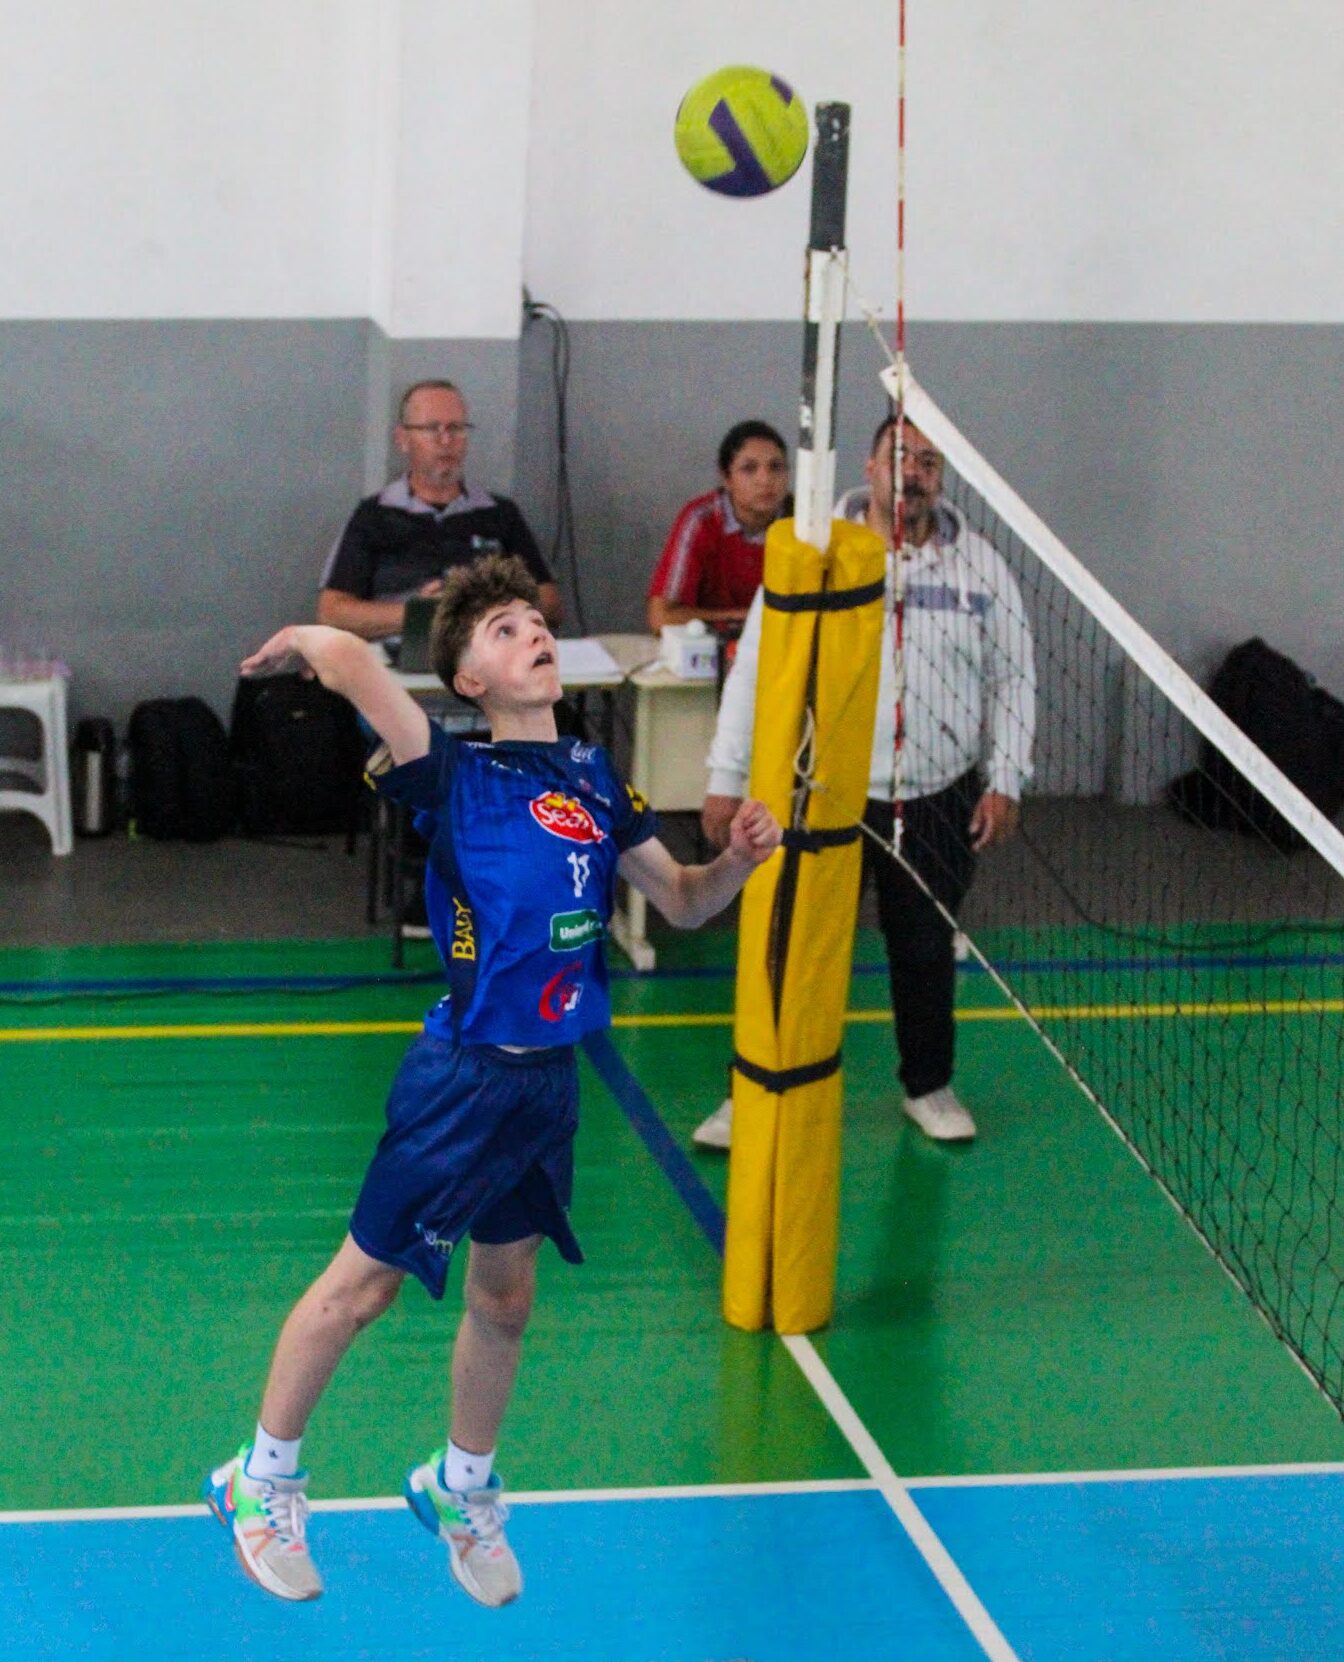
741,131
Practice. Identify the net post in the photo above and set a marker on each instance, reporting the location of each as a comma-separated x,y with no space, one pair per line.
824,305
819,658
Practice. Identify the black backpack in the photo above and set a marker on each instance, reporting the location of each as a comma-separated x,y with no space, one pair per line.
1298,725
297,755
181,776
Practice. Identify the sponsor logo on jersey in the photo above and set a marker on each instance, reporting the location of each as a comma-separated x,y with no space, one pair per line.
638,802
572,931
582,753
580,869
464,933
561,994
565,816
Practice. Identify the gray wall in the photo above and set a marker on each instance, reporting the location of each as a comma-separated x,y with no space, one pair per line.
166,491
1192,468
169,490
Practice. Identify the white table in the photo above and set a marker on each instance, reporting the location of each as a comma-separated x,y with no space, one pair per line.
577,672
672,729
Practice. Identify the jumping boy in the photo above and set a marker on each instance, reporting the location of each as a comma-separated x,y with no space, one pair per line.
527,834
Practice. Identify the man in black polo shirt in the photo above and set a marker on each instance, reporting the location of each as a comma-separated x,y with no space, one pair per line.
399,543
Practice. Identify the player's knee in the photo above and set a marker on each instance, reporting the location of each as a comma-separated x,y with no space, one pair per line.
357,1302
505,1307
372,1299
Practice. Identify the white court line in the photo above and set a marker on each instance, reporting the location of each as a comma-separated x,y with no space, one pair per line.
949,1577
1137,1474
522,1497
719,1491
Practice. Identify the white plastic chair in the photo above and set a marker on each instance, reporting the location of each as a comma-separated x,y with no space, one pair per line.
49,775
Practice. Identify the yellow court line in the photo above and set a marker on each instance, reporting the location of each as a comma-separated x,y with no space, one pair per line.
207,1030
357,1029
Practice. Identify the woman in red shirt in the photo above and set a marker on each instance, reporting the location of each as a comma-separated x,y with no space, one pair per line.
710,566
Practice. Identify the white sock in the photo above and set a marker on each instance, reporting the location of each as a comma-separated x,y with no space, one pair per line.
462,1471
273,1456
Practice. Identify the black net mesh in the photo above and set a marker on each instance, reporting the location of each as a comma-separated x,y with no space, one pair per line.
1179,947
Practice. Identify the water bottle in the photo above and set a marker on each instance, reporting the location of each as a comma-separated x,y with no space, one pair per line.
93,777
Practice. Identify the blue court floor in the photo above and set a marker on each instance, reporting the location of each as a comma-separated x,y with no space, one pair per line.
1221,1567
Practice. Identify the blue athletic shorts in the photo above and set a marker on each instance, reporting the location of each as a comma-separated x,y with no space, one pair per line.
479,1140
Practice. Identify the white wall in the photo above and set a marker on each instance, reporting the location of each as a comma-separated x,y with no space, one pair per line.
248,158
414,160
205,158
452,146
1069,160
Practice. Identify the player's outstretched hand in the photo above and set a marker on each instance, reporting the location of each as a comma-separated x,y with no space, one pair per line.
277,655
754,834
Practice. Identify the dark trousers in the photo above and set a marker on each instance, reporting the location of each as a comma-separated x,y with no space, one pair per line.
936,841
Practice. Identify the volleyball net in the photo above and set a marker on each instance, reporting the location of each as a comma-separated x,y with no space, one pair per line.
1170,919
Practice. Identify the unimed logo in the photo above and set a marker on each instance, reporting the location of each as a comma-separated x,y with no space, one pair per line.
571,931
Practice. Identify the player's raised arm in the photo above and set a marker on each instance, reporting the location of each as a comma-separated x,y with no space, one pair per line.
688,895
353,668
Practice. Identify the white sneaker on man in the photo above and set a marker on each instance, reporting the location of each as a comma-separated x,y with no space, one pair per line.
717,1130
941,1116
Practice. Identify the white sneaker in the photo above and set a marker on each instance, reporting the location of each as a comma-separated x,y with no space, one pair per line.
267,1517
941,1116
717,1130
472,1523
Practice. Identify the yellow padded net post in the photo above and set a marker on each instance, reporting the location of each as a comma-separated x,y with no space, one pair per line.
816,696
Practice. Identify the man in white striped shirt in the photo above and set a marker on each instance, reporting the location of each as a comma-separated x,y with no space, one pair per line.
969,720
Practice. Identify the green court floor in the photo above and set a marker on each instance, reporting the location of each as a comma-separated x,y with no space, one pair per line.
1029,1303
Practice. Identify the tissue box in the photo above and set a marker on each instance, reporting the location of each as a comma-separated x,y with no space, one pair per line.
690,652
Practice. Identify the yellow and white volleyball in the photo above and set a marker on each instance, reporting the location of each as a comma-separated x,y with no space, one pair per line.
741,131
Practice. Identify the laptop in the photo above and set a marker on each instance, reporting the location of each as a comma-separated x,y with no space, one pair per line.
413,658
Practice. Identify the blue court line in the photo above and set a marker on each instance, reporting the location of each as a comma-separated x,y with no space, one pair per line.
222,983
649,1126
35,990
38,990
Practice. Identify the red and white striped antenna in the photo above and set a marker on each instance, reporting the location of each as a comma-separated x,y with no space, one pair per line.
898,455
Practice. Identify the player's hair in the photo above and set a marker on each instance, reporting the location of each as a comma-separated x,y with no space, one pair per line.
883,428
743,433
423,386
469,592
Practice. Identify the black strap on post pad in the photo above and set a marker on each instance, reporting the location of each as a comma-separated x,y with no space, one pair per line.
812,842
826,600
779,1080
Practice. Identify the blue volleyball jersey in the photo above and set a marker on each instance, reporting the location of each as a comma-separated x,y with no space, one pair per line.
520,881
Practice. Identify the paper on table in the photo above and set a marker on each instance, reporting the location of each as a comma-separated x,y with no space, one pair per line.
585,657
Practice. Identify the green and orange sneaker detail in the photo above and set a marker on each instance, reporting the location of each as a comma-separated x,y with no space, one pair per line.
267,1517
472,1523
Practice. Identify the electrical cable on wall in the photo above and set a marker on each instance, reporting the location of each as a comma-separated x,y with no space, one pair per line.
563,549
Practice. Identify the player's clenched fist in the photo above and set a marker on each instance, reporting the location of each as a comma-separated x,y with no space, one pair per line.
754,834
